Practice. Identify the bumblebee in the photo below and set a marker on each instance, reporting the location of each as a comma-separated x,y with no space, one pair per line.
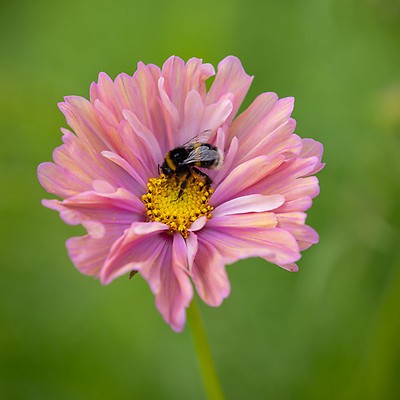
181,162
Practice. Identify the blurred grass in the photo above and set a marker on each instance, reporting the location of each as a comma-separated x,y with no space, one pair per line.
331,331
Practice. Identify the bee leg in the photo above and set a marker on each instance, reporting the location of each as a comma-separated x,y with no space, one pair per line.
183,185
203,175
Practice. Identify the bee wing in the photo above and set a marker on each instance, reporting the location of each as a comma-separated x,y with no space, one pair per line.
201,137
202,153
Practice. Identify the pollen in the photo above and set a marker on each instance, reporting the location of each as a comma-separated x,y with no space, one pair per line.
165,202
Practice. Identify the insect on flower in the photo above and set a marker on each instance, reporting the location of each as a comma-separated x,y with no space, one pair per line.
173,209
182,161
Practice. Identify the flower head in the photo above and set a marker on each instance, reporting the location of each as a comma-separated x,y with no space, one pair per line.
168,218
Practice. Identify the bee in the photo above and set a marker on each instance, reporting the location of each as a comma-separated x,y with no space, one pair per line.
181,162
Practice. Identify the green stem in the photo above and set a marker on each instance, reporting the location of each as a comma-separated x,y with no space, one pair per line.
204,358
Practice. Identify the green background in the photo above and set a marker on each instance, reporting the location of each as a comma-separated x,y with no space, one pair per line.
330,331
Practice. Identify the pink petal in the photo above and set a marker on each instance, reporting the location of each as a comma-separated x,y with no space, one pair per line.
278,141
199,118
176,290
173,76
198,224
196,74
162,260
133,172
275,245
92,138
171,116
285,179
230,157
245,122
142,91
89,254
108,93
83,119
147,140
217,113
151,270
294,222
143,161
96,229
73,170
193,113
49,177
180,79
135,249
271,135
312,148
230,78
209,275
110,125
292,267
301,187
118,207
179,252
103,187
249,203
192,246
297,204
250,220
105,91
244,176
96,210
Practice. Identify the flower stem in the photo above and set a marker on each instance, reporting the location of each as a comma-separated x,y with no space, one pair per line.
204,358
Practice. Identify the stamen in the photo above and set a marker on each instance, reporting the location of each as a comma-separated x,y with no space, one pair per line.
166,203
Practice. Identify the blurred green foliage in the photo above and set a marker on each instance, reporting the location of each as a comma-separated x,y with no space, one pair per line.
329,332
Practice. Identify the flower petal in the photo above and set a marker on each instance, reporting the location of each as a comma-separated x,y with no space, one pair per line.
209,275
244,176
292,267
171,116
165,273
192,246
145,164
198,224
73,170
294,222
180,79
199,118
105,91
251,220
49,177
244,123
89,253
176,290
312,148
271,135
133,172
297,204
84,151
275,245
135,249
228,162
120,207
290,179
147,139
230,78
249,203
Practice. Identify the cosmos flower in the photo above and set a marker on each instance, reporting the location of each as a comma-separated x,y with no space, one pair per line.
139,219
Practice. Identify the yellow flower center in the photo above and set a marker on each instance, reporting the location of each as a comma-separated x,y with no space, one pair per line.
167,203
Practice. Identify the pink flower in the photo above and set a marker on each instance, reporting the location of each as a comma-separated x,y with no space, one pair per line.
108,174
